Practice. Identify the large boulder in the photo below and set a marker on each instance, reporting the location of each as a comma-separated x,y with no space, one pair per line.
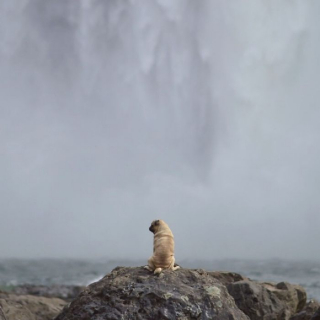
136,293
267,301
27,307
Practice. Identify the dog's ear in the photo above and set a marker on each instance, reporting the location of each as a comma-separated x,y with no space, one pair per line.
157,222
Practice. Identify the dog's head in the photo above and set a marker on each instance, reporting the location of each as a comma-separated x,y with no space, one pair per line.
155,226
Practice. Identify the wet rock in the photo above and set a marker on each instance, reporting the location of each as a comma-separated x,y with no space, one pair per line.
27,307
267,301
136,293
308,311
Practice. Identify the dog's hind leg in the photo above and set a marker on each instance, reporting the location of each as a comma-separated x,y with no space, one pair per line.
157,271
173,266
150,266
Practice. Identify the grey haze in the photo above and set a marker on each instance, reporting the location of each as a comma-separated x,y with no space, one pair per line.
202,113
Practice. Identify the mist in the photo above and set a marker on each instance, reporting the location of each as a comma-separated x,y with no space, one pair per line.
203,114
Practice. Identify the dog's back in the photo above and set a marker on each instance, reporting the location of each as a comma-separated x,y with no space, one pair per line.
163,246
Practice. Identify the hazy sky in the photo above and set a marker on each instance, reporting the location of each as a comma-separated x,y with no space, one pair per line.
115,113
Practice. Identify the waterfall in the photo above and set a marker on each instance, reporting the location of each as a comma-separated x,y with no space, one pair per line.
142,108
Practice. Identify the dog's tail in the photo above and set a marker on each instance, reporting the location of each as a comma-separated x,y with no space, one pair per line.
157,271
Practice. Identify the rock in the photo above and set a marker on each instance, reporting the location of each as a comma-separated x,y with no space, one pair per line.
267,301
136,293
57,291
227,277
294,296
27,307
308,311
2,316
316,316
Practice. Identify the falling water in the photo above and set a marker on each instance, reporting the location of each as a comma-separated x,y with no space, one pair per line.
204,112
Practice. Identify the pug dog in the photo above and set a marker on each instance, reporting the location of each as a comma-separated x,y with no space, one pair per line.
163,248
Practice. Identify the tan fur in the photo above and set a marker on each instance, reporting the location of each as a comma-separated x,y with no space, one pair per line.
163,248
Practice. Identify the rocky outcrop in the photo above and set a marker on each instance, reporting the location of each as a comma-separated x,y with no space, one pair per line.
27,307
136,293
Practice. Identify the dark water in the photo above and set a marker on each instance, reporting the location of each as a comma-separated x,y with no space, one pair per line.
82,272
